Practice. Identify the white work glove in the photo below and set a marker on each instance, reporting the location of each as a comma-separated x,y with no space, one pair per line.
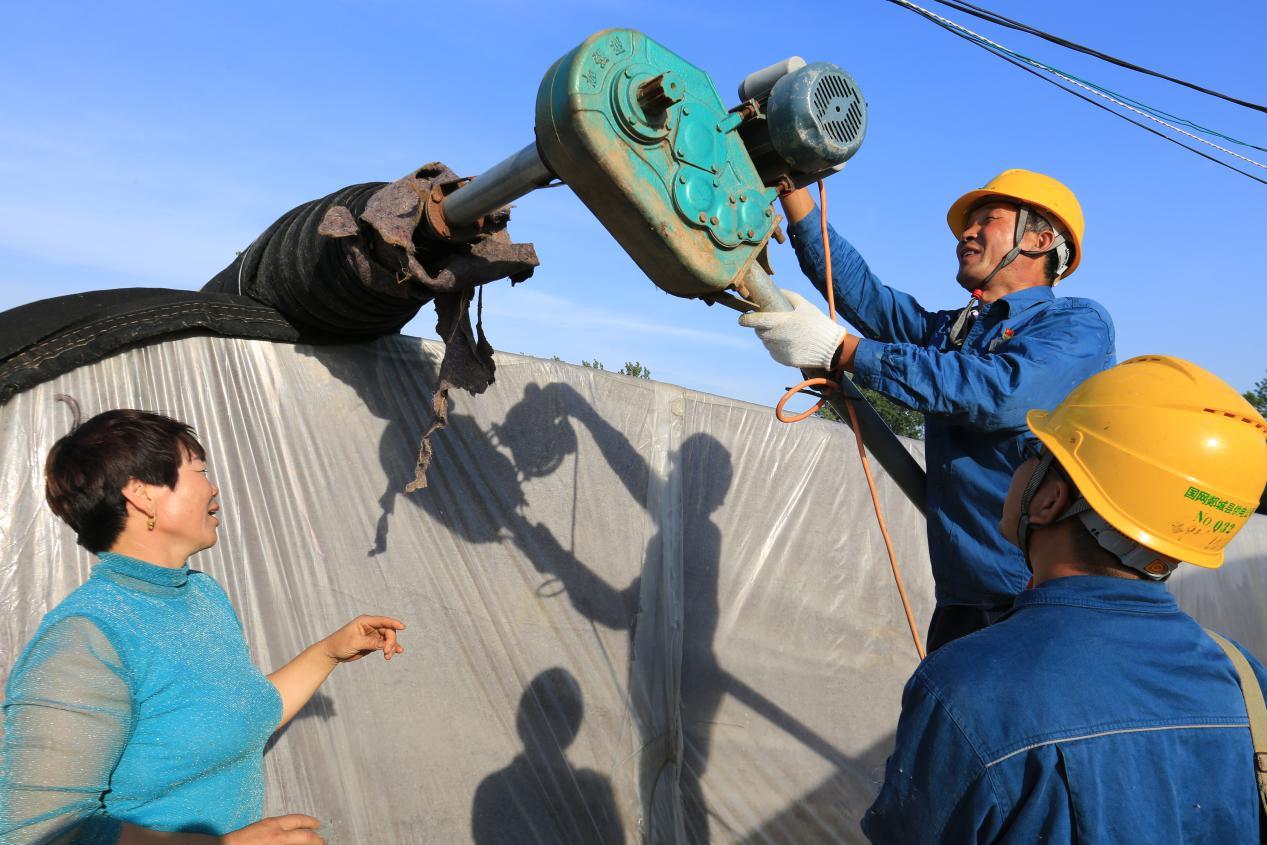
804,337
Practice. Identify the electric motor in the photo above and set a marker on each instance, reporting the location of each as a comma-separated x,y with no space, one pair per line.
810,119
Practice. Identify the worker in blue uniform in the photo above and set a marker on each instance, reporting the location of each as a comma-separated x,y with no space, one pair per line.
1096,710
972,372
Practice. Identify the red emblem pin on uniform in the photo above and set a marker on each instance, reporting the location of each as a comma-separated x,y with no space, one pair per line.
1008,334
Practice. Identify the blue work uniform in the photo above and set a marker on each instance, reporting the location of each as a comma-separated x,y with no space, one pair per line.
1095,711
1025,350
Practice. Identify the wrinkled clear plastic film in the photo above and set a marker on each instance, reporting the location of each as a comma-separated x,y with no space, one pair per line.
1230,599
636,612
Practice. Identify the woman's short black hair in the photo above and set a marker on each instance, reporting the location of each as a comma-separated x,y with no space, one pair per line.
87,469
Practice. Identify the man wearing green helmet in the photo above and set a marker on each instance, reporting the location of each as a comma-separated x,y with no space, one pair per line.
1097,710
972,372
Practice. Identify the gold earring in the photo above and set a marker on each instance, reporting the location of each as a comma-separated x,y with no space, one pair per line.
149,523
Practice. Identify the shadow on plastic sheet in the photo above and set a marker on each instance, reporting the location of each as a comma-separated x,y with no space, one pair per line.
320,706
477,492
474,490
831,811
673,754
540,796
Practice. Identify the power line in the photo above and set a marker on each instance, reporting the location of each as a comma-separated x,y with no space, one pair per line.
1027,64
1181,121
998,49
1001,20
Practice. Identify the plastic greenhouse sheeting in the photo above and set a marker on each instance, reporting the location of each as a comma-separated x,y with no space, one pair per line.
634,610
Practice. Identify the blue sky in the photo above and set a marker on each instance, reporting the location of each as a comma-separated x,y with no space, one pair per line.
142,144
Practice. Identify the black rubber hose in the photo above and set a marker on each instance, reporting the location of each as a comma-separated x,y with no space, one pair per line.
315,280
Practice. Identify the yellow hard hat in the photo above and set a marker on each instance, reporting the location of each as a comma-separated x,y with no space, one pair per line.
1169,454
1043,192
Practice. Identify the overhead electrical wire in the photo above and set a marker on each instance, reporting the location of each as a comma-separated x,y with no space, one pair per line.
1028,64
1007,57
1180,120
1112,96
1002,20
995,17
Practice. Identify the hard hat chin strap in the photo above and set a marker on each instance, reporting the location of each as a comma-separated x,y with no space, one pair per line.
1142,559
1059,243
1129,553
1031,487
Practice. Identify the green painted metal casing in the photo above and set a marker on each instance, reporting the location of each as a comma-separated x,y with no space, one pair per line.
673,182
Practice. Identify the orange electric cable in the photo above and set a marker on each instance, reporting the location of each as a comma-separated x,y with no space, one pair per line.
828,385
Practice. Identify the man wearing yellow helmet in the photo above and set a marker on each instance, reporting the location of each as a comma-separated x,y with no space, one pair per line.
1097,710
972,372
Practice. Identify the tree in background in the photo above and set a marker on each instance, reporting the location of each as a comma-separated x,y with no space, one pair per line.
1257,396
635,369
903,421
631,368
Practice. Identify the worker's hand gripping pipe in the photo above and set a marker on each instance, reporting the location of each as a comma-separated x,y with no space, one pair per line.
876,434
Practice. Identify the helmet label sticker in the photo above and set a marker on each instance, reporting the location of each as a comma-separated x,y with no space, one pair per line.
1216,503
1222,526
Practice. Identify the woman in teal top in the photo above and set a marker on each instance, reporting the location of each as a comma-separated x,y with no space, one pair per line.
134,715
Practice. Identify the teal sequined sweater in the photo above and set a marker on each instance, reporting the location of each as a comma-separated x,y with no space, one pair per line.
136,701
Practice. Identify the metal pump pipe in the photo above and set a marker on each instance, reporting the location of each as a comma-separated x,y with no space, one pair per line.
497,187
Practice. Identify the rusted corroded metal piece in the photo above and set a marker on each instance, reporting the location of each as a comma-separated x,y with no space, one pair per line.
403,232
361,261
467,364
337,223
438,224
657,94
439,420
468,356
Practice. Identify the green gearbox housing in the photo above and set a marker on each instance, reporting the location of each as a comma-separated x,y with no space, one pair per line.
643,138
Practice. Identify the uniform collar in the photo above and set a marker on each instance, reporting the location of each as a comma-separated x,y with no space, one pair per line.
119,567
1101,591
1018,301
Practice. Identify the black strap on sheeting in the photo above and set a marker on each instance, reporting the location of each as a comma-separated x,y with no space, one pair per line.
45,339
